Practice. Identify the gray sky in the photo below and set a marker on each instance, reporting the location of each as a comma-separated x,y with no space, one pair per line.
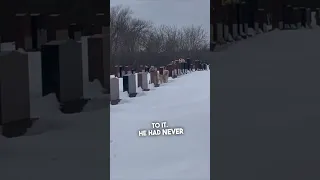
171,12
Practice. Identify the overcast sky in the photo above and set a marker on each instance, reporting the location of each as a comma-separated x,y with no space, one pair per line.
171,12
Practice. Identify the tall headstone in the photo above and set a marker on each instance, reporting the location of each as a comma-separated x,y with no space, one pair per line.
140,79
23,31
129,85
114,91
144,81
14,93
169,68
121,71
62,73
99,59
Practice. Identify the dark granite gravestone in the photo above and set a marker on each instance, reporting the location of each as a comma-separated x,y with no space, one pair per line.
14,94
121,72
317,17
169,68
74,31
188,61
22,30
139,79
99,59
57,27
129,84
126,70
62,74
147,69
114,91
204,66
125,83
303,16
197,65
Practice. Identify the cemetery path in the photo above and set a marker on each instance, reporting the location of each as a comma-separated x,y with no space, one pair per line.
266,108
183,102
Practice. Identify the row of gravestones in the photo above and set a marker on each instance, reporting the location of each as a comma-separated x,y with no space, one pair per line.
62,73
157,77
297,17
294,18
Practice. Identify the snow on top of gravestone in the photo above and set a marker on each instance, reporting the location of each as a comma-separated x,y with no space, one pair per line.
58,42
99,36
5,53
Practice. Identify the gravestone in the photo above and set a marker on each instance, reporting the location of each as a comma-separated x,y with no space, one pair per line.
99,59
121,71
147,69
144,81
126,70
14,93
74,31
189,64
129,85
62,34
161,70
220,33
197,64
174,70
42,37
139,79
169,68
61,66
114,91
155,78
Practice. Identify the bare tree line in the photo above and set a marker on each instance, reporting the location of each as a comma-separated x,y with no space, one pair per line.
135,41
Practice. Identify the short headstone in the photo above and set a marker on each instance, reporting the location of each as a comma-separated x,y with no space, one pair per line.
144,81
62,74
14,93
114,91
99,59
129,85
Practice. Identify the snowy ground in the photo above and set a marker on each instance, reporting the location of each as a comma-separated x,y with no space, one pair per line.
75,146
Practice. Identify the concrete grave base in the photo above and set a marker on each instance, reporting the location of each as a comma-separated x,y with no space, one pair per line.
132,95
74,106
17,128
115,102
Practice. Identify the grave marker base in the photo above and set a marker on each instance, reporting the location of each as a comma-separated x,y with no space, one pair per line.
145,89
157,85
17,128
115,102
132,95
74,106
